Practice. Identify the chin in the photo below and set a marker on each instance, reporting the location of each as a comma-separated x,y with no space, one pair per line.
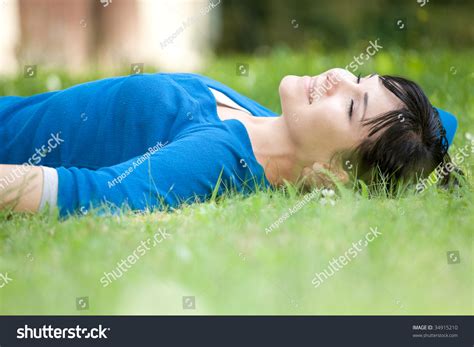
288,86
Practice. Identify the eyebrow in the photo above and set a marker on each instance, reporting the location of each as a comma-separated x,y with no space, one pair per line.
366,100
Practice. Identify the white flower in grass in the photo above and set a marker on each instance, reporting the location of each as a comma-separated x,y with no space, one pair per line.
183,253
327,198
470,137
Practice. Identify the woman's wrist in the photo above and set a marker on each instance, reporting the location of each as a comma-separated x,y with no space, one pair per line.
21,187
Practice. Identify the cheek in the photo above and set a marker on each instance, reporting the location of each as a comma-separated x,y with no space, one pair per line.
330,128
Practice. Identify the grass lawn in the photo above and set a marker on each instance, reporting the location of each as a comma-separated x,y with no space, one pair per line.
220,252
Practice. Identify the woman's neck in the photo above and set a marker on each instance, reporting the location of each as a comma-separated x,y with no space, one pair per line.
271,144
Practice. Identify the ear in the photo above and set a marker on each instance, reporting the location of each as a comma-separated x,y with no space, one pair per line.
323,175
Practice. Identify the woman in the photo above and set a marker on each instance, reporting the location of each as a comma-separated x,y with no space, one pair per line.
156,140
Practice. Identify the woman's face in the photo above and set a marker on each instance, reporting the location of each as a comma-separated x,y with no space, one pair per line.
323,113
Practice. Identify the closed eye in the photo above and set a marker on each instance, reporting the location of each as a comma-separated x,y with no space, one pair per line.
351,105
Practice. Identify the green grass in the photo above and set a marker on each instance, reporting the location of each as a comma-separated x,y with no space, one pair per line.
219,251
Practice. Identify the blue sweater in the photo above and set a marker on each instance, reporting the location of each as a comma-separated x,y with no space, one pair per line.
146,141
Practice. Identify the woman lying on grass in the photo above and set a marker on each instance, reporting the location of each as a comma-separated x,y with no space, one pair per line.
156,140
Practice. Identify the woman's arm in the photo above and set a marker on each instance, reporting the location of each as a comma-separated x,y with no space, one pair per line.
20,187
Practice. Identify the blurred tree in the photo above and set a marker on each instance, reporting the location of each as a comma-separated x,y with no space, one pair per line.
251,24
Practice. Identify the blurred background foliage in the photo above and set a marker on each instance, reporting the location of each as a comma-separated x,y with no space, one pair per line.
255,26
188,35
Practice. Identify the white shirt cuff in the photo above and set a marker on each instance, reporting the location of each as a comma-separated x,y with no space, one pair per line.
50,188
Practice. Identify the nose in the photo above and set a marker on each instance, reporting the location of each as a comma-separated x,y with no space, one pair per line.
340,80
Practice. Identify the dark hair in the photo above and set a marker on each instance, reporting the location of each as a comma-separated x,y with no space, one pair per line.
406,143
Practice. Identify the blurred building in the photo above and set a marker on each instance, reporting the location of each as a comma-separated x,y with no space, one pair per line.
76,35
